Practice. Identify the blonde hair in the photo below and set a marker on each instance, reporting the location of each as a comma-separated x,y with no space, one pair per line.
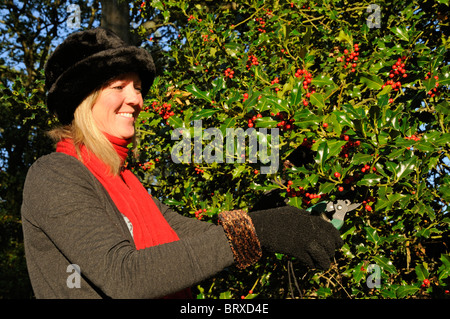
84,131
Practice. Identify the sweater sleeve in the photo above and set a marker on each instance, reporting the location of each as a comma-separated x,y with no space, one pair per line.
183,226
69,219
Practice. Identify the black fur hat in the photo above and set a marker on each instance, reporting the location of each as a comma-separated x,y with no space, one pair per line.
87,60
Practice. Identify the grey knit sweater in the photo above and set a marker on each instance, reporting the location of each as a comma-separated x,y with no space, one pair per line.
69,219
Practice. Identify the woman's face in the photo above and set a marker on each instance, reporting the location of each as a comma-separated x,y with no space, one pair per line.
118,105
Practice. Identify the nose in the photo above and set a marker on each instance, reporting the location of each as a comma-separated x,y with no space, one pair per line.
133,97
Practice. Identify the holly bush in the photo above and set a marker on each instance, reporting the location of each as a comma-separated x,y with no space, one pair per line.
359,90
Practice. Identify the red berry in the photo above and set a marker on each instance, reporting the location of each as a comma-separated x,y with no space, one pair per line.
368,208
325,125
341,189
337,174
290,182
426,282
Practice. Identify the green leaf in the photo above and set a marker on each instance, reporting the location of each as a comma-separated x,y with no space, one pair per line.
296,94
266,122
322,80
421,272
322,154
406,167
335,147
277,104
203,113
372,235
173,202
429,84
325,188
305,118
404,291
345,37
360,158
401,33
385,263
296,202
192,88
175,122
317,99
359,272
369,180
344,118
371,81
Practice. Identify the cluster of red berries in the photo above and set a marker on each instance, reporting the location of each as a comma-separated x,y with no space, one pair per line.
251,121
252,60
350,58
229,73
285,123
398,69
146,165
262,22
348,147
307,83
433,91
199,213
366,204
397,72
425,283
307,197
198,170
307,143
275,81
164,110
142,6
191,17
262,25
413,137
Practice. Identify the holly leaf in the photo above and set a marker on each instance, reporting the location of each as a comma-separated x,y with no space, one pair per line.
401,33
296,94
192,88
371,81
203,113
317,99
421,272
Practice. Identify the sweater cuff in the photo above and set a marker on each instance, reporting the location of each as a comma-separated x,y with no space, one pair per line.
242,237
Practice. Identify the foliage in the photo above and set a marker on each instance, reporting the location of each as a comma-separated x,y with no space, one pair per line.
322,70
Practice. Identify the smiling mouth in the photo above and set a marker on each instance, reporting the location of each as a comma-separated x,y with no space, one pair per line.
127,115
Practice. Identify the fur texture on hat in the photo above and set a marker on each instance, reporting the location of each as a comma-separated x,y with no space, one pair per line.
87,60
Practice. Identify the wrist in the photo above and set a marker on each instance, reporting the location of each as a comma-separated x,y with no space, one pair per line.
241,234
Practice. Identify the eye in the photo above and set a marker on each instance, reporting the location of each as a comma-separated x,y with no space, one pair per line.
138,88
118,87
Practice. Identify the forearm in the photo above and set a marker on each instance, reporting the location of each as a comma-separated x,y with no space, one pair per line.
183,226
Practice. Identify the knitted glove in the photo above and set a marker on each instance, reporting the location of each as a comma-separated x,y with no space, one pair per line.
295,232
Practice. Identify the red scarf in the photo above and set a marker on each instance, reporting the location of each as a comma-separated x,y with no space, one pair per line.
131,198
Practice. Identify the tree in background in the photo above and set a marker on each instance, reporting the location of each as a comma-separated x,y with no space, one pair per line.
358,92
29,32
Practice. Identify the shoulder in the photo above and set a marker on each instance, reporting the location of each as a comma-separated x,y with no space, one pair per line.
57,171
58,183
57,164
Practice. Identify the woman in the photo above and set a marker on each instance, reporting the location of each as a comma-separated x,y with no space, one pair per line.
83,211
